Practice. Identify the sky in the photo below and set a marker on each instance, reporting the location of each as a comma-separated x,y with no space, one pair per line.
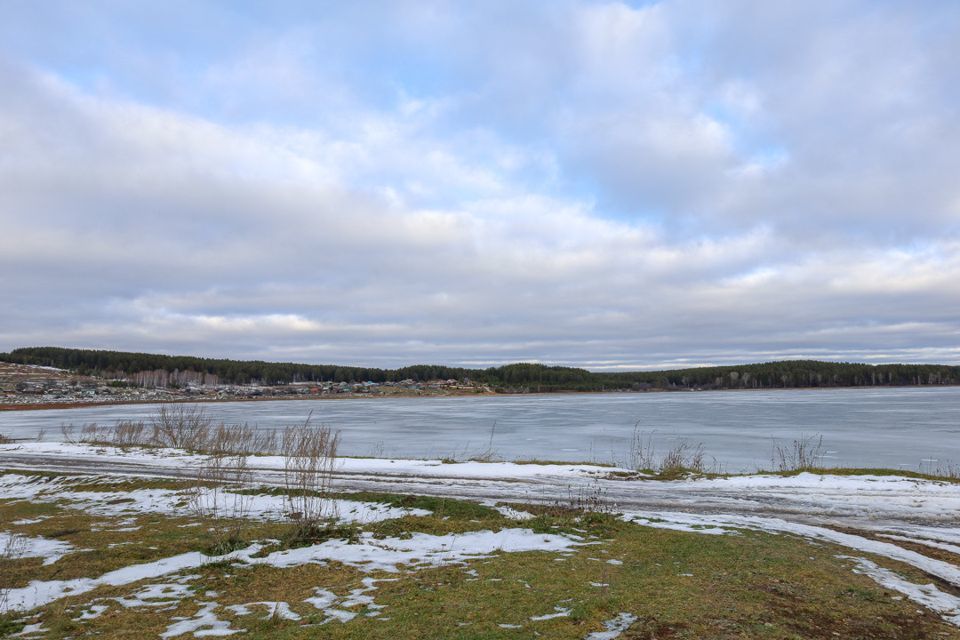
599,184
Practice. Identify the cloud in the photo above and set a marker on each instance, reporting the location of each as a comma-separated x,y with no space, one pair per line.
594,184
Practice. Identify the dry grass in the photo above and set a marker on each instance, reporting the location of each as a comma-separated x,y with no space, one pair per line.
680,460
309,453
178,426
803,454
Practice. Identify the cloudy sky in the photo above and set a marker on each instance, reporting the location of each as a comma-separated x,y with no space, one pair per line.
601,184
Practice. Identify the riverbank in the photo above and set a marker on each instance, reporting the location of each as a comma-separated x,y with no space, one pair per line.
40,406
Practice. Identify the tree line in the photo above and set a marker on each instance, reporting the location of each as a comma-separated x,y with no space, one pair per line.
511,378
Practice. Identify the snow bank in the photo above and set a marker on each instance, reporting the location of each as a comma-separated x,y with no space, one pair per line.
353,466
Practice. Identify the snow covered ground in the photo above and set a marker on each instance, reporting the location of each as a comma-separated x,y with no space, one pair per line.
175,458
71,493
865,498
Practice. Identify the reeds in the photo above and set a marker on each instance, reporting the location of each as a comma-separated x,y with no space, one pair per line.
682,459
801,454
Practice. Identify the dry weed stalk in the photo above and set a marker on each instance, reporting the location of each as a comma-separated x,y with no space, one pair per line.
309,457
642,452
682,458
804,453
213,500
11,548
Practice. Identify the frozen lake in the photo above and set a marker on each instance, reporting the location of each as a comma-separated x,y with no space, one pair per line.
913,428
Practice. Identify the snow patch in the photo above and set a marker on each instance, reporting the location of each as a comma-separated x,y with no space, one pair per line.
559,612
202,624
614,627
418,551
93,611
508,512
927,595
15,546
280,610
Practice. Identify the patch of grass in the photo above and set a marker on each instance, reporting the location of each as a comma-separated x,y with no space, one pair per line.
440,507
10,625
310,533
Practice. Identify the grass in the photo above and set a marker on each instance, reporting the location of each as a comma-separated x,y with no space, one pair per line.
681,473
679,585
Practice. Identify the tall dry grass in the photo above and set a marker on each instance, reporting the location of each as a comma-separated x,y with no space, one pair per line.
804,453
178,426
308,452
11,548
309,456
681,459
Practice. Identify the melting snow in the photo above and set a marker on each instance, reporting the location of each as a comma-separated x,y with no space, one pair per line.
157,595
203,623
274,609
508,512
370,554
419,550
560,612
943,546
171,502
943,570
92,612
927,595
14,546
614,627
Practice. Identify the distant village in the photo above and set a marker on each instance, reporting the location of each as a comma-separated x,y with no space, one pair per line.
34,385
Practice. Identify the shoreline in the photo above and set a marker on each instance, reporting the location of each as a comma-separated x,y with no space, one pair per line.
47,406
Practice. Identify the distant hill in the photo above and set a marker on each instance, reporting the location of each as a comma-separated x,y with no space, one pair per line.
511,378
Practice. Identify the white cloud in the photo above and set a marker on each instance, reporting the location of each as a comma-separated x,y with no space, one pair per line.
592,184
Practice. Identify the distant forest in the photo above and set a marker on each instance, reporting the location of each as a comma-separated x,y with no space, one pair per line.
512,378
